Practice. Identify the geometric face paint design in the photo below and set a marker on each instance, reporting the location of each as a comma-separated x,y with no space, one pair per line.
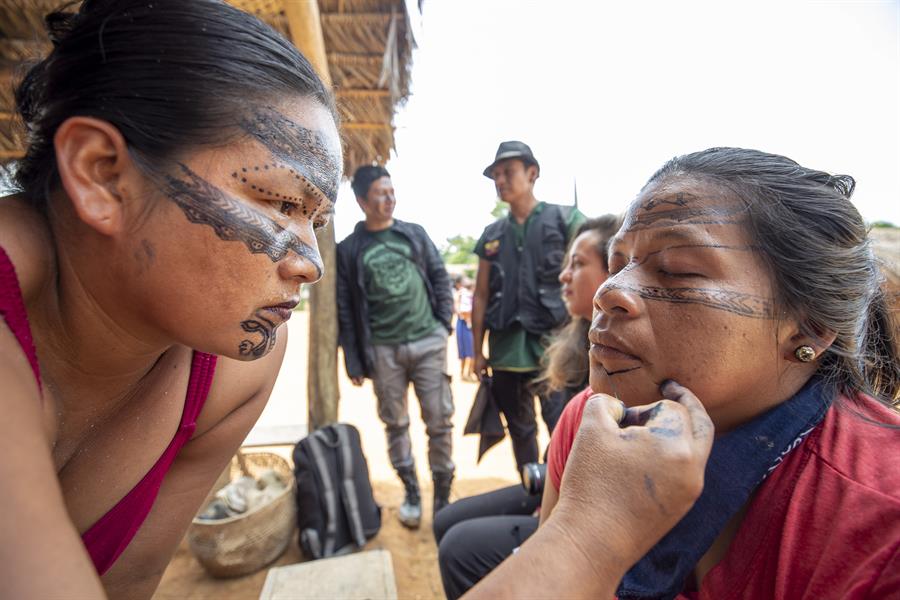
262,326
738,303
301,148
726,212
679,199
257,179
232,220
687,216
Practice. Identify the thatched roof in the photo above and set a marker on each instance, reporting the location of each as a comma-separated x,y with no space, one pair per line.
368,44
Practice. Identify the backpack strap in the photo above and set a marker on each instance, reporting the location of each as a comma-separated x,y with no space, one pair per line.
349,496
331,509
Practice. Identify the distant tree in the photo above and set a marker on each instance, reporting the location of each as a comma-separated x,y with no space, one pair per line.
459,250
500,210
883,225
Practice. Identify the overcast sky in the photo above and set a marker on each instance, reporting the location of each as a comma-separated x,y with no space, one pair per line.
605,92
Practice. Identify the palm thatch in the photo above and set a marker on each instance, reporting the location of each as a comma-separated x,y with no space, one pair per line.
368,43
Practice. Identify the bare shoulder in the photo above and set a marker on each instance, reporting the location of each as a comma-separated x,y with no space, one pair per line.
27,240
240,389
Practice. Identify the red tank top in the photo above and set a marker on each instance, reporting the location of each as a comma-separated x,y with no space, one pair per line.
108,537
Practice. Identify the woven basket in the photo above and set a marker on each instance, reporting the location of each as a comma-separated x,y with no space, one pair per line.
246,543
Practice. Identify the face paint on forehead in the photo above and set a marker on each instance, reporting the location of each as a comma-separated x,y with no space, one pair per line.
301,148
677,199
687,209
738,303
232,221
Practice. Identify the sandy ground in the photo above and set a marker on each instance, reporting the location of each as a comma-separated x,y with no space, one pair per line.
413,552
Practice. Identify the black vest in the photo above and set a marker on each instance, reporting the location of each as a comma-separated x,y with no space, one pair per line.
524,282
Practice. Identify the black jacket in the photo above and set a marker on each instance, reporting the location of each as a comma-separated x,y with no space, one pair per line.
524,281
353,306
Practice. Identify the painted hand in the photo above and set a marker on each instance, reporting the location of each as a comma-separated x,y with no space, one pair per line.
625,486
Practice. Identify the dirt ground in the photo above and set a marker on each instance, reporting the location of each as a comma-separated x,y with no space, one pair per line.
413,553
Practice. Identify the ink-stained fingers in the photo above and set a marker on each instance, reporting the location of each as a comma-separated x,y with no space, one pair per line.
701,425
607,408
639,415
613,407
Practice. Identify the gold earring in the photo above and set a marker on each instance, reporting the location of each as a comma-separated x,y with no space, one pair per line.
805,353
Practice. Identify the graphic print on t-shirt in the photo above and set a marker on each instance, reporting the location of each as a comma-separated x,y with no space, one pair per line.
399,309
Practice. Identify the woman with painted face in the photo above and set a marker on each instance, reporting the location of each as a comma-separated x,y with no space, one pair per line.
477,533
161,238
750,281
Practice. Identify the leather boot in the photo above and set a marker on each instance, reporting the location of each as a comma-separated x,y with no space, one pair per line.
442,483
410,513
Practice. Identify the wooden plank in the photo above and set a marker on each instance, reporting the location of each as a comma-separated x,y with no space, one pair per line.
275,435
360,576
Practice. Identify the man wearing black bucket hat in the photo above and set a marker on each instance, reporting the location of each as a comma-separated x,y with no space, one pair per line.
517,292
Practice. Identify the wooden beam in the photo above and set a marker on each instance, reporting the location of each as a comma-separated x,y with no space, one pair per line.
7,154
356,18
355,58
362,93
305,25
359,125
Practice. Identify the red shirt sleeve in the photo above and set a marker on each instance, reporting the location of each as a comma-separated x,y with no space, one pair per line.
564,435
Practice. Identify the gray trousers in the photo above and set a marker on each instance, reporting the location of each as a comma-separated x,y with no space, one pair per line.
424,363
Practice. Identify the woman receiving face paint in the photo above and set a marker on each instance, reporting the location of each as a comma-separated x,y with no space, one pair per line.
180,157
749,280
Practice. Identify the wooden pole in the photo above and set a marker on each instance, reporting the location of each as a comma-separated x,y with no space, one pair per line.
305,26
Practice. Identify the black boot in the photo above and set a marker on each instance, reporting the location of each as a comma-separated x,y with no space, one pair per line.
410,513
442,483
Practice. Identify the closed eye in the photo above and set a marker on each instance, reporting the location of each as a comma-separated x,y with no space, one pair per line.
679,275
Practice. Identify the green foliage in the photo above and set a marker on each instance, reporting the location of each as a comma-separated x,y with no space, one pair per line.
500,210
459,250
883,225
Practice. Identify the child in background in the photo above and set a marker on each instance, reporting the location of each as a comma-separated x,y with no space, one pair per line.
462,301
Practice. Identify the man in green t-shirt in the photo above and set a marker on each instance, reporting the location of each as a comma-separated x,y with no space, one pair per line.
394,309
517,293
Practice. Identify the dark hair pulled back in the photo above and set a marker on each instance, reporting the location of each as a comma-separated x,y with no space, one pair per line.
565,364
816,246
169,74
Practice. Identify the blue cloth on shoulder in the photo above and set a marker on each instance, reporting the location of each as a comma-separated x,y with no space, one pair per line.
739,462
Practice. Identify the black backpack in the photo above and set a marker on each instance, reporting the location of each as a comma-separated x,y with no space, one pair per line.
336,511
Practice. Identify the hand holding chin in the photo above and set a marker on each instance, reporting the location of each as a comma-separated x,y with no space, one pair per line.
633,473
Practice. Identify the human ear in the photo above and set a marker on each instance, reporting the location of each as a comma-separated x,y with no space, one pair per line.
92,158
796,347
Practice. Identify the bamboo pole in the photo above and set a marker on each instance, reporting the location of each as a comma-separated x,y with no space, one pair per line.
305,25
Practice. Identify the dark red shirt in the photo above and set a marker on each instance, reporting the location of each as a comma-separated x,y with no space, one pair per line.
824,524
